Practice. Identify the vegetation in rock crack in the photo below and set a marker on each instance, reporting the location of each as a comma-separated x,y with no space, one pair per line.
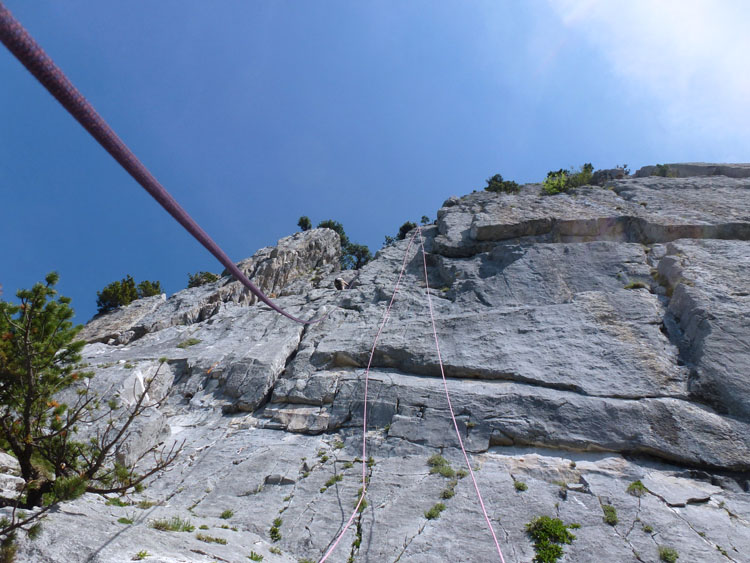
141,555
227,514
115,501
210,539
145,504
174,524
334,479
648,529
610,514
561,181
520,486
637,489
255,556
201,278
275,550
435,511
668,554
353,256
124,292
189,342
450,490
636,285
461,473
438,464
125,520
274,532
39,360
304,223
549,535
498,185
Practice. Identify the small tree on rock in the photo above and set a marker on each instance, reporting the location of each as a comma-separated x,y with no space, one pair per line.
38,366
405,228
201,278
304,223
124,292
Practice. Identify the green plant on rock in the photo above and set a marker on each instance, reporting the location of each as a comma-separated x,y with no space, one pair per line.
561,181
549,535
637,489
435,511
174,524
304,223
255,556
210,539
275,532
227,514
39,361
404,229
123,292
520,486
498,185
610,514
353,256
189,342
141,555
438,464
202,278
668,554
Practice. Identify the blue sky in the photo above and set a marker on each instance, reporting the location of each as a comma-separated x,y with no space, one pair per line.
371,113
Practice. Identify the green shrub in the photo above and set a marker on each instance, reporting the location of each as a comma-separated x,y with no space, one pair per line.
123,292
304,223
636,285
174,524
141,555
668,554
610,514
227,514
548,534
498,185
435,511
210,539
189,342
520,486
124,520
353,256
149,289
561,181
333,480
637,489
404,229
257,556
274,532
201,278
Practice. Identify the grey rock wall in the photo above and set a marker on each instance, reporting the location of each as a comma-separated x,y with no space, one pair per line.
590,340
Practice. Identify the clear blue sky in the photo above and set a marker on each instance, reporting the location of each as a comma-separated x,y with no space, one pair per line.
371,113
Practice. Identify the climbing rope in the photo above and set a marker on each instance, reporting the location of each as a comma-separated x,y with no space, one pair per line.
448,399
386,315
37,62
364,413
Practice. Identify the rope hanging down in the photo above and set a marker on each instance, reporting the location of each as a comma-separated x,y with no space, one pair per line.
386,315
37,62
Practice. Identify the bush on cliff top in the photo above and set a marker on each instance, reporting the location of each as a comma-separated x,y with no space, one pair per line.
561,181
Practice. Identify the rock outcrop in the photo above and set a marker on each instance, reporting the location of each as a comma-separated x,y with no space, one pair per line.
590,339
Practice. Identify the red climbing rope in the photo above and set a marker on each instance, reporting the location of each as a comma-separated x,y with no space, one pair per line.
37,62
364,415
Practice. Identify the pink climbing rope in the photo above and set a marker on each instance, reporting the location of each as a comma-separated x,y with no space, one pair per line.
450,405
364,415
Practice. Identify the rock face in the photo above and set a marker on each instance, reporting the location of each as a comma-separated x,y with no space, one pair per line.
590,340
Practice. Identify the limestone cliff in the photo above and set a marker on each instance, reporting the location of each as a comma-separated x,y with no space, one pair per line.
591,340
